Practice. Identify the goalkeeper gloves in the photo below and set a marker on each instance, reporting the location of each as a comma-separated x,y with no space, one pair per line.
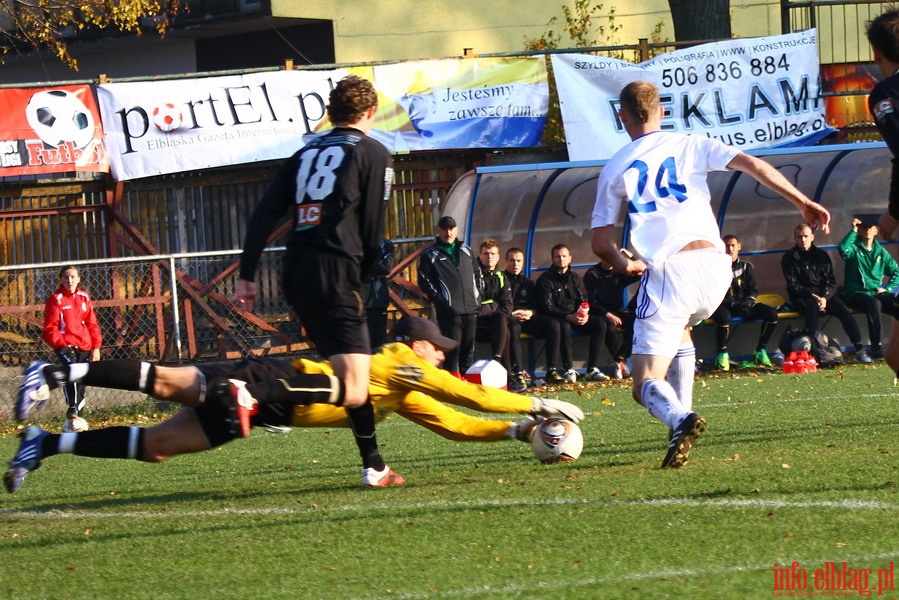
523,430
547,407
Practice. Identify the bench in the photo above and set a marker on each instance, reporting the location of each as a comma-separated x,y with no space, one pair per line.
774,300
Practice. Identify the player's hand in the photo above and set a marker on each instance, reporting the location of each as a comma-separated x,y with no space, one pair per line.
548,407
634,267
523,431
245,293
816,216
886,227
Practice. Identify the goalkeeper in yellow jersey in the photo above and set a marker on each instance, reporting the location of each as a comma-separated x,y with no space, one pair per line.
224,401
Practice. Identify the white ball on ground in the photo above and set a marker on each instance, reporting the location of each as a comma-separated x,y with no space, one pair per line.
74,425
557,440
801,343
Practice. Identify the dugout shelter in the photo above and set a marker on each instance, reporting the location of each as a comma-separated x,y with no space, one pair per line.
536,206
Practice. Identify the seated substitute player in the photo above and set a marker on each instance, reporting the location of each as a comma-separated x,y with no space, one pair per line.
405,379
740,302
812,287
606,291
525,319
560,293
496,300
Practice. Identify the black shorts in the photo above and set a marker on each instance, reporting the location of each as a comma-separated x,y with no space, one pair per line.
253,370
325,291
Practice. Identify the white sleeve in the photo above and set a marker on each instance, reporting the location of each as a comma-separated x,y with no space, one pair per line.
608,204
718,153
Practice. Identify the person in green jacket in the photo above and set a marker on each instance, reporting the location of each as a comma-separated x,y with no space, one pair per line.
867,264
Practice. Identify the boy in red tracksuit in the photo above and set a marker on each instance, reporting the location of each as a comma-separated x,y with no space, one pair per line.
71,329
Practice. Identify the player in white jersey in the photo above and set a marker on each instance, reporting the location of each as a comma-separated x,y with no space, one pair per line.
662,179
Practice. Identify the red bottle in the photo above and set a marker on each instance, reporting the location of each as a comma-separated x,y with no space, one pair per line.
583,311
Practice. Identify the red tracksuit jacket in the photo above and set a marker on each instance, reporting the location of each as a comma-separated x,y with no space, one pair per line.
69,320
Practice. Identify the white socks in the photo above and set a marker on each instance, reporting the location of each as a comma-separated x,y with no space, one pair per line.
661,401
681,373
77,371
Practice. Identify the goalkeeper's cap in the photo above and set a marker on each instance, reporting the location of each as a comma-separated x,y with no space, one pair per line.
411,329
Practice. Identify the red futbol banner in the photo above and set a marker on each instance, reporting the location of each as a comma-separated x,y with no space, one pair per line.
50,130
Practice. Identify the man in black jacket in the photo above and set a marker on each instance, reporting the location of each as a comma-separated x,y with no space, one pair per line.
812,287
496,301
448,275
525,319
559,295
377,295
606,293
740,302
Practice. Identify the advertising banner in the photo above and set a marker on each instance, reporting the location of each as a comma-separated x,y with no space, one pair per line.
465,103
50,130
748,93
169,126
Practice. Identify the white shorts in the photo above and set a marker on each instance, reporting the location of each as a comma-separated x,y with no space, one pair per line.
687,289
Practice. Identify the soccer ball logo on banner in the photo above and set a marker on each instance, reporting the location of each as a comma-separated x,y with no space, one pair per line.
166,117
59,117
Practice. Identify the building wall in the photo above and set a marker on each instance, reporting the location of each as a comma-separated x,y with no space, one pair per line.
401,30
129,61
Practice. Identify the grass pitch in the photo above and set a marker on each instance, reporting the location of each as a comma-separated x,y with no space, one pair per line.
795,470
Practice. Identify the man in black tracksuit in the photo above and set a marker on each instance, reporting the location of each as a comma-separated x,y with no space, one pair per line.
377,296
559,295
525,319
496,301
812,287
740,301
448,275
606,291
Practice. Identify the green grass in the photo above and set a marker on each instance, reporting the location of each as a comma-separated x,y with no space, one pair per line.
792,468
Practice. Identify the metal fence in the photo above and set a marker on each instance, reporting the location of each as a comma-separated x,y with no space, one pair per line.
173,309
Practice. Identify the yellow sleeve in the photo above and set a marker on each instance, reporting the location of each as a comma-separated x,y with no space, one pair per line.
326,415
398,369
449,422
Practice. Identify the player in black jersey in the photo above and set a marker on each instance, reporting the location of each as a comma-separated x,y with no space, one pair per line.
883,102
336,187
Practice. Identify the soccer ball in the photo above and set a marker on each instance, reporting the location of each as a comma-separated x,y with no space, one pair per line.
557,440
166,117
74,425
801,343
58,117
